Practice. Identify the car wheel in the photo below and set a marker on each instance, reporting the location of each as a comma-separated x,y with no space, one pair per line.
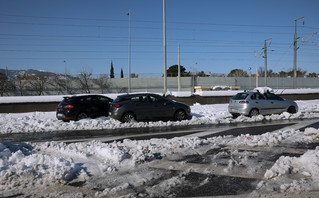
291,110
235,115
253,112
180,115
82,116
128,117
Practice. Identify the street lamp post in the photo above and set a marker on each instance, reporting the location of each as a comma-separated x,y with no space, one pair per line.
164,48
129,52
179,69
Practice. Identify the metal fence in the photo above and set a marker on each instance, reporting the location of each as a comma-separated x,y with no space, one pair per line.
150,84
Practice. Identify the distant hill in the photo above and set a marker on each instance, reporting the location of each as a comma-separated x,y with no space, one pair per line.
12,74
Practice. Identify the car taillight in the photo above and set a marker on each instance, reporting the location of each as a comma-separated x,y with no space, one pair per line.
244,101
69,107
230,101
116,105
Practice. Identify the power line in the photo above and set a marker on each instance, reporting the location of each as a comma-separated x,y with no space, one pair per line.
148,21
138,27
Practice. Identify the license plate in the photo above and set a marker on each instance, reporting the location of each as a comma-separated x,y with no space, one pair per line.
60,115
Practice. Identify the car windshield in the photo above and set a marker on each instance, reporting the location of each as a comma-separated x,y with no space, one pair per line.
240,96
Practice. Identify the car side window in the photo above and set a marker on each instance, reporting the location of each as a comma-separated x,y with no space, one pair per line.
136,99
257,96
271,96
103,100
153,99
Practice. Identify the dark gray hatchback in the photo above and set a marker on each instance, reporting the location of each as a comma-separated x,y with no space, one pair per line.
147,106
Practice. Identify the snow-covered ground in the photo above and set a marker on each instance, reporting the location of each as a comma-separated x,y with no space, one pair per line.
202,114
54,169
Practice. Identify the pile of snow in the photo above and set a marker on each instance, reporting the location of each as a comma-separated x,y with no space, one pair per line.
221,87
201,114
123,168
225,92
264,89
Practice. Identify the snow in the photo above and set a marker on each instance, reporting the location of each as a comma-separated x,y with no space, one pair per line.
52,169
58,98
201,114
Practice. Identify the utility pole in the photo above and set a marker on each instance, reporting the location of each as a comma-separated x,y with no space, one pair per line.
249,78
164,46
295,53
265,57
179,69
257,74
129,52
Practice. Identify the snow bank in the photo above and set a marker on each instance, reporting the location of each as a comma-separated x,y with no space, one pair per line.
121,168
51,98
58,98
201,114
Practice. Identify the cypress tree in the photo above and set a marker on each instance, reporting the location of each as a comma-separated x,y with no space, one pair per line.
122,74
112,70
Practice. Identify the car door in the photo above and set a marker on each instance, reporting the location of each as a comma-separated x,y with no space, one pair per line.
276,102
91,104
259,101
141,107
162,109
103,105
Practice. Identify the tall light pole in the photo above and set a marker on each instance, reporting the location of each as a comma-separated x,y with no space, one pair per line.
249,78
179,69
295,53
129,52
164,46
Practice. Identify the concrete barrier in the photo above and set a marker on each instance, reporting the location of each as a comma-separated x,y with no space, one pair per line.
51,106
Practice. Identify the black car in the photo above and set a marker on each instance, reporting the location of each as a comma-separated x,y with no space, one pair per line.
147,106
83,106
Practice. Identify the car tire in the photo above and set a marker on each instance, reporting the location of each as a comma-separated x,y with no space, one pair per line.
180,115
291,110
253,112
235,116
128,117
82,116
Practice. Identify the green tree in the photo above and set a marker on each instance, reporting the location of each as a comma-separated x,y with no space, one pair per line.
173,71
112,70
313,75
300,73
237,73
122,74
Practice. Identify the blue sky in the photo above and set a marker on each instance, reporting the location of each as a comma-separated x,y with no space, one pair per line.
215,36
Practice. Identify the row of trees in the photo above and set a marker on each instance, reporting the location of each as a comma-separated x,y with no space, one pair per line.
271,73
173,72
84,82
25,84
112,75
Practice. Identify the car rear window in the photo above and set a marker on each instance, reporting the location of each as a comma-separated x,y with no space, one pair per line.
120,99
66,101
240,96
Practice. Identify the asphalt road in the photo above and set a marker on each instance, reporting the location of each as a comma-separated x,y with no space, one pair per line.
217,183
203,131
